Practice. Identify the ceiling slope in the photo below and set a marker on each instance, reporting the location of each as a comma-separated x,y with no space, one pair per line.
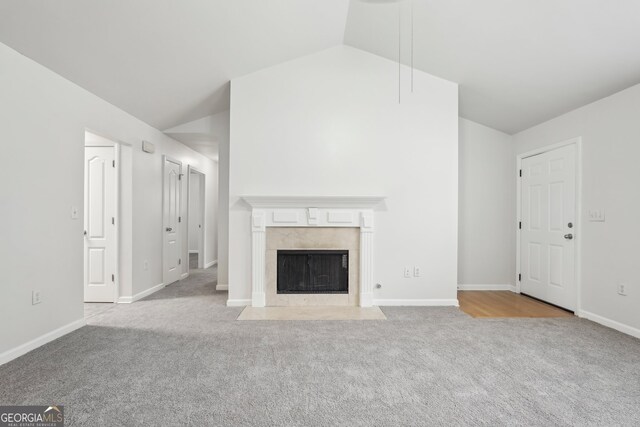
518,63
167,62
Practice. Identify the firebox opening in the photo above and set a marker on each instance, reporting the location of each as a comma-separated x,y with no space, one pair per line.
313,272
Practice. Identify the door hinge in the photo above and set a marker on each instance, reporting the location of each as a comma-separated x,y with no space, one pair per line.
180,176
519,277
179,219
520,172
113,277
520,225
113,163
113,220
179,261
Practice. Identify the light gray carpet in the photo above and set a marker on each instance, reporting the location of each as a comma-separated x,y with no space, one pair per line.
179,357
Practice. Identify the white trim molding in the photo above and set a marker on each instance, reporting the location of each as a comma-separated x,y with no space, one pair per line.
486,287
417,302
16,352
312,211
604,321
211,263
344,202
140,295
222,287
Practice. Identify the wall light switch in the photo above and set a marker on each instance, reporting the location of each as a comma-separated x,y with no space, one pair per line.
407,272
75,212
35,298
417,271
596,215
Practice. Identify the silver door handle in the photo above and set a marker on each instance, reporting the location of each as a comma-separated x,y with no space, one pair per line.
171,229
568,236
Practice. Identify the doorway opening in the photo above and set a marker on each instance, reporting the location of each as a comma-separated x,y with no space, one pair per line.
107,222
196,219
172,220
548,233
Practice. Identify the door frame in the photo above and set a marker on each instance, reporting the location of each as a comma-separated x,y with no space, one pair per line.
120,214
577,142
202,197
165,159
116,216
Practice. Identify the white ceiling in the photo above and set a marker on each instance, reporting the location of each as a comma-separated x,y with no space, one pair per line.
169,62
518,62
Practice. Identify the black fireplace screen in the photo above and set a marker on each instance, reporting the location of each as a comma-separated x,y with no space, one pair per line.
313,272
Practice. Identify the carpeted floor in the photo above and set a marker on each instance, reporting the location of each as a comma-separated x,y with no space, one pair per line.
179,357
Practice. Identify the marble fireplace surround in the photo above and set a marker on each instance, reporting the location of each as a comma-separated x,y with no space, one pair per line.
305,211
340,238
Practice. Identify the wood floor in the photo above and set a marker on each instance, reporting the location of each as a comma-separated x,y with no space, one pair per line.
505,304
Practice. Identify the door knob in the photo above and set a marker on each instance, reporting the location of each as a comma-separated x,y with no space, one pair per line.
171,229
568,236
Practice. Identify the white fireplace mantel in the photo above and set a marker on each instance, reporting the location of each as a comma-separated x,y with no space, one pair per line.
337,202
312,211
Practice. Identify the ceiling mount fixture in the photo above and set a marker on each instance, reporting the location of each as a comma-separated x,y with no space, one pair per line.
399,40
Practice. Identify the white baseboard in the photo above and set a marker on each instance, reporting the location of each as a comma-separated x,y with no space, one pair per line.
184,276
222,287
16,352
238,302
191,251
487,287
136,297
417,302
626,329
211,264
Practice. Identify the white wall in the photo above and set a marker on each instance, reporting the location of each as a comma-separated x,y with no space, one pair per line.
487,206
43,118
330,124
610,131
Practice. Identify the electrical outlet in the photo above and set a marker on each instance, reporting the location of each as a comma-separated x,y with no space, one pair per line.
596,215
35,298
417,271
622,289
407,272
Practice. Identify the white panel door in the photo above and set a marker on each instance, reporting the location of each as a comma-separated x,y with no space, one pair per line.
171,220
99,219
547,239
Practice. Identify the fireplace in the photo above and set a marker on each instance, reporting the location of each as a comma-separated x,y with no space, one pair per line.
312,223
313,272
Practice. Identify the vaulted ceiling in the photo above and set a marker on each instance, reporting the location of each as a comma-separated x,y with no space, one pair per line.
168,62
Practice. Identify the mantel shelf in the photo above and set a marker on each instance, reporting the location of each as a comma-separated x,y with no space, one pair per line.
347,202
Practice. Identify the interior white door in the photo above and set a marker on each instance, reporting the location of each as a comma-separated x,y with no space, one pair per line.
171,220
547,239
99,218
